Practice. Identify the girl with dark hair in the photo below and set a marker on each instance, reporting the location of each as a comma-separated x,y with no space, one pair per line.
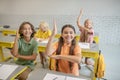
67,51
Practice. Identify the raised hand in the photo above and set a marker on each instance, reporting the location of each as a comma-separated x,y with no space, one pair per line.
81,12
49,49
17,35
79,17
54,32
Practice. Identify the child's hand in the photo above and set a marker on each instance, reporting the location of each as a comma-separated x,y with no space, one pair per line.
17,35
15,55
55,56
78,19
54,32
81,12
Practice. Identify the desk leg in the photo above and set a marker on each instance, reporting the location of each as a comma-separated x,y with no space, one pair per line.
95,68
1,54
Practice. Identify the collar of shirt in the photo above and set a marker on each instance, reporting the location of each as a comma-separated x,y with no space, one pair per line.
30,42
65,44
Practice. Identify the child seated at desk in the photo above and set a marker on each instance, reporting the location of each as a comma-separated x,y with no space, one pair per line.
67,51
25,48
87,33
43,34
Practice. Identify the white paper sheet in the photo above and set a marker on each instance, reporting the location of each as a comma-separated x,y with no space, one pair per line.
50,76
84,45
6,70
72,78
45,41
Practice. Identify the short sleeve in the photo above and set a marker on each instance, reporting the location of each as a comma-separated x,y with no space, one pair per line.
77,50
55,45
35,50
37,35
49,32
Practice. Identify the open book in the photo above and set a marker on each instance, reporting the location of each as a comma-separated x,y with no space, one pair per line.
50,76
84,45
6,70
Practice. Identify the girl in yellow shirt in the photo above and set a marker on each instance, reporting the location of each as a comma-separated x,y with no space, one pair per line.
41,35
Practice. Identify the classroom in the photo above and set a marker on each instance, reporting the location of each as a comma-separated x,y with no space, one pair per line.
104,16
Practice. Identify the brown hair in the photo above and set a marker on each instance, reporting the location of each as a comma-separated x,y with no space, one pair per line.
22,25
61,42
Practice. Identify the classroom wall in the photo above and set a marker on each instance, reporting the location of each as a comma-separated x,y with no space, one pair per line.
104,14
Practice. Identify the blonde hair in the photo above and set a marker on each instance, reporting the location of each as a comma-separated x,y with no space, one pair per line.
43,23
87,21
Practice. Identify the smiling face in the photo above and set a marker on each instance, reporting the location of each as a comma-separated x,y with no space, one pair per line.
26,30
68,34
88,23
43,26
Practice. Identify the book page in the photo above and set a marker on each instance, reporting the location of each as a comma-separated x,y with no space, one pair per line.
50,76
84,45
45,41
72,78
6,70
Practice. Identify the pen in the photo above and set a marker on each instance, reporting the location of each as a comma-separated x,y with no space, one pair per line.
55,78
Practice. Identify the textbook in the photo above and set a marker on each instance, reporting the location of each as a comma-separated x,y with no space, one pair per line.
6,70
50,76
84,45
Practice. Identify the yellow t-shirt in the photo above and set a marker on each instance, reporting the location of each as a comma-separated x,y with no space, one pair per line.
43,35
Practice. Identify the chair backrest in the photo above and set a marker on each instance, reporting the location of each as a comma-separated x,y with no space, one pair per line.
100,66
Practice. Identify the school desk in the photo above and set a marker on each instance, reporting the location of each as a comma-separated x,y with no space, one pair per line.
93,52
11,73
9,31
12,31
5,41
40,74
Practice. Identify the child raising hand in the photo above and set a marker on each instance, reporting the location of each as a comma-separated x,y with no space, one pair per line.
68,52
25,48
87,32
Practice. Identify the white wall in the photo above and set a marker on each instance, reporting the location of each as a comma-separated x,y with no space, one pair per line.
59,7
104,14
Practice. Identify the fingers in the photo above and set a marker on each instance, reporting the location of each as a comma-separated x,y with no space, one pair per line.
54,32
17,34
55,27
81,11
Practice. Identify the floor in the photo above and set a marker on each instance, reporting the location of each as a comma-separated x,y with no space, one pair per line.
111,54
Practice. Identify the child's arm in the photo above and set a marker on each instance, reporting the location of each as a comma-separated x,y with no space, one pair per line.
49,49
14,50
78,19
79,24
76,58
31,57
